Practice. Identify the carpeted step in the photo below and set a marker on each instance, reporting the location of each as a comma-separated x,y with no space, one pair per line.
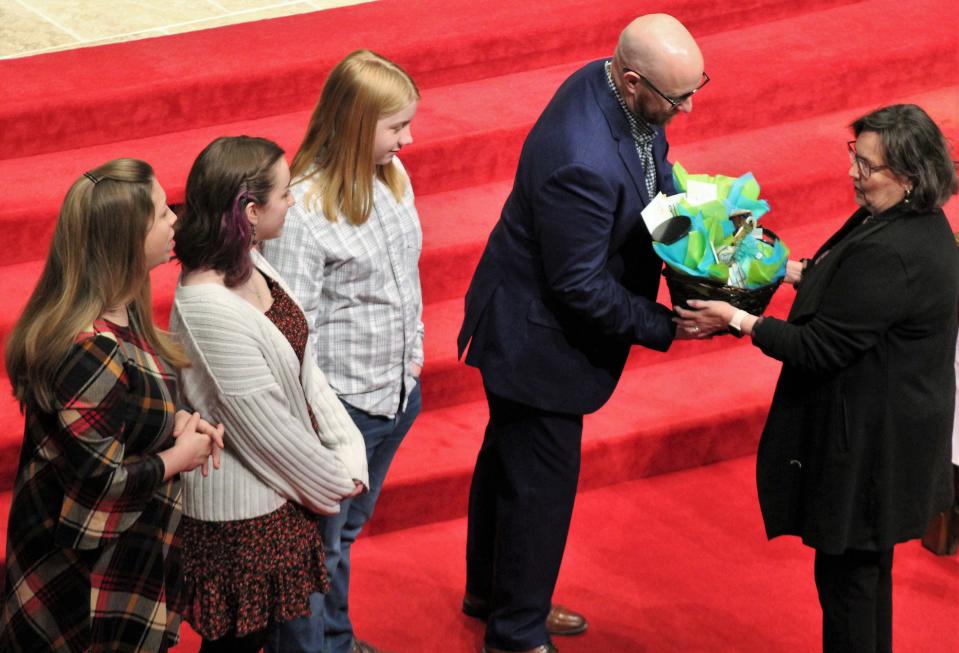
452,391
798,164
647,428
457,148
810,176
787,159
153,86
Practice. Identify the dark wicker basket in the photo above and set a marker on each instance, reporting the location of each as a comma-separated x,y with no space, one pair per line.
752,300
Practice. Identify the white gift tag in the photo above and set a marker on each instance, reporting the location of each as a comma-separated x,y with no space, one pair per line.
700,192
660,210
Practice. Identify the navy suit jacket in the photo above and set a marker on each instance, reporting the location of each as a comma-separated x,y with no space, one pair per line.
568,279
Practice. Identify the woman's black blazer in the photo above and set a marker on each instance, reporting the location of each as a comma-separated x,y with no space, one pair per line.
855,451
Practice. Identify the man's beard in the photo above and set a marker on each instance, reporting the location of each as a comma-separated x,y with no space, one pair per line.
653,118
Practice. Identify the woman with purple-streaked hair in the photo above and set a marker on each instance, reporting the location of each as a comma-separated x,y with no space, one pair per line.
252,554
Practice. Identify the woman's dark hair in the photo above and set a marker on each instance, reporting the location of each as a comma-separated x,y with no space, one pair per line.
214,232
915,148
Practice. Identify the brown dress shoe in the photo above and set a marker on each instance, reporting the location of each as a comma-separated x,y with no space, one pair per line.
365,647
561,620
545,648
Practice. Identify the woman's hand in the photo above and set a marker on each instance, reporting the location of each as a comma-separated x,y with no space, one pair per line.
713,315
196,440
214,432
357,490
705,322
794,270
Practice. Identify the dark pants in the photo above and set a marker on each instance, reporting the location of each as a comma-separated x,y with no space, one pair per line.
520,505
855,592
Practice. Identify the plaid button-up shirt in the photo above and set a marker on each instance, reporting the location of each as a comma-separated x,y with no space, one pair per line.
642,134
359,286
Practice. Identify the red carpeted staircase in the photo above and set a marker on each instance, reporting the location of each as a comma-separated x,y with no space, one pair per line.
787,79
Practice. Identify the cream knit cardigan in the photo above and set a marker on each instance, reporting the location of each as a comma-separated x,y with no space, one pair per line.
246,375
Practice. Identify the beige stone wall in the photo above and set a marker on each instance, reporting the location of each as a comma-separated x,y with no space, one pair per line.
34,26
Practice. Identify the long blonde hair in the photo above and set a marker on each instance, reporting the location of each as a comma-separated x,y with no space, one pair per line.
336,156
96,261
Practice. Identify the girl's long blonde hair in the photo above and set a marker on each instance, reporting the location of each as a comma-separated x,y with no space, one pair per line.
336,156
96,261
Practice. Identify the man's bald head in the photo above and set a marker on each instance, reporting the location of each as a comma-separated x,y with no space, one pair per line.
661,49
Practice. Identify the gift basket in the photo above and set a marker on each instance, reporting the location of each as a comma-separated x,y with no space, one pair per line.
709,237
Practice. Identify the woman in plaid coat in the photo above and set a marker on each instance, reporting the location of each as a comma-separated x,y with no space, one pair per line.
91,551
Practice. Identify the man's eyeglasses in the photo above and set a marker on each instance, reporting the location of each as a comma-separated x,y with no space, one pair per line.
865,167
673,102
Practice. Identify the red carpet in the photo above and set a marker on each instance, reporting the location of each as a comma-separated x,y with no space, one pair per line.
672,564
787,79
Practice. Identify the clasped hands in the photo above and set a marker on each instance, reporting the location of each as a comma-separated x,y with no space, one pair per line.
203,440
704,320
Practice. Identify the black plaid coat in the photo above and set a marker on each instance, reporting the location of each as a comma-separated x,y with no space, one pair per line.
91,547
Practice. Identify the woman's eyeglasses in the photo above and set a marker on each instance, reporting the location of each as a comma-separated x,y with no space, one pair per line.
865,167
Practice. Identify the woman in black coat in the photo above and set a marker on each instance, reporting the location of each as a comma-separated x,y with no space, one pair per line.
854,457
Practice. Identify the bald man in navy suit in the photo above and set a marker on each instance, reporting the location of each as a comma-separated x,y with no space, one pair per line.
566,284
